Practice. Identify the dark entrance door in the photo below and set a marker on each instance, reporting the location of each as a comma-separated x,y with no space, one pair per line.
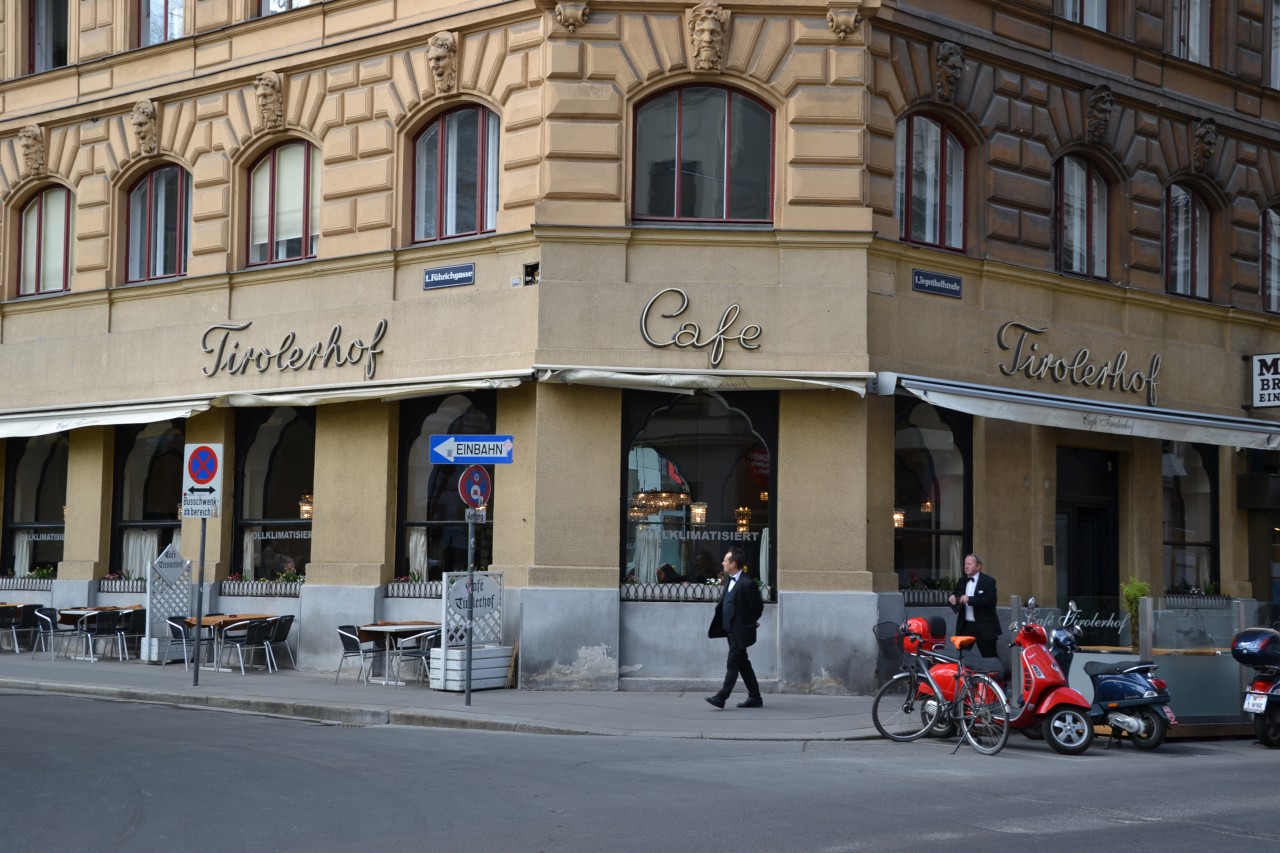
1087,539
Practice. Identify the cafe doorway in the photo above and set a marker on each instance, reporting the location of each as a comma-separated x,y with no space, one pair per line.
1088,558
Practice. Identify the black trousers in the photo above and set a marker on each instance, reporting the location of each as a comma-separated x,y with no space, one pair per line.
739,664
986,645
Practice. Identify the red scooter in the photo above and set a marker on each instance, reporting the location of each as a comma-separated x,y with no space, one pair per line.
1047,708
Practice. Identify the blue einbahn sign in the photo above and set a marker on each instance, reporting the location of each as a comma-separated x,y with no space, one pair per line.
471,449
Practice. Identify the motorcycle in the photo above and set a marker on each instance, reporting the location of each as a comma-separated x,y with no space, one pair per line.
1047,708
1126,696
1259,648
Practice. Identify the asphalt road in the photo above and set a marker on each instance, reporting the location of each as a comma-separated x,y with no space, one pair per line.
86,774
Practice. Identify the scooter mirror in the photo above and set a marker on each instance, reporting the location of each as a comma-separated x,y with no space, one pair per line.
1071,606
1031,603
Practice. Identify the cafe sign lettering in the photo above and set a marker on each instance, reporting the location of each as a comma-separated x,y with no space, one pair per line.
1081,368
235,357
689,334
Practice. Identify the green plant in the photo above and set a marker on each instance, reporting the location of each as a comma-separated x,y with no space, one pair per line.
42,573
1132,591
415,577
289,577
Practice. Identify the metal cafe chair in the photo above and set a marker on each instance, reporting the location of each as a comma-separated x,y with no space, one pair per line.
133,626
9,619
417,649
351,648
102,625
254,636
280,627
179,632
48,631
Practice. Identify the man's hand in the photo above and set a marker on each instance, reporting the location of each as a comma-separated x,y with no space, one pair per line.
952,599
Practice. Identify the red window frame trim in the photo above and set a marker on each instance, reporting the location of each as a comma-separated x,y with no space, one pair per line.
308,150
66,243
149,231
482,175
1091,171
904,227
1196,201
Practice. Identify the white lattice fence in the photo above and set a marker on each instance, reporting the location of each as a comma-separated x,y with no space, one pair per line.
165,598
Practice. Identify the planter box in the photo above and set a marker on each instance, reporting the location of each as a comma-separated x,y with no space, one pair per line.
925,597
489,666
261,589
28,584
134,585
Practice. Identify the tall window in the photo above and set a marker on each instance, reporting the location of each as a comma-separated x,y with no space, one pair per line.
1091,13
456,175
284,193
1186,243
275,7
36,504
1190,517
159,224
698,473
45,261
1275,45
1271,260
149,460
704,153
46,35
159,21
1191,29
931,494
1082,218
275,494
433,533
930,177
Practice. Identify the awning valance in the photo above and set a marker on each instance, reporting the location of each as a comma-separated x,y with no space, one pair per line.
1088,415
57,420
689,381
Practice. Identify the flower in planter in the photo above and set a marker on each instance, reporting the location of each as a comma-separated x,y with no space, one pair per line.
631,579
44,572
236,576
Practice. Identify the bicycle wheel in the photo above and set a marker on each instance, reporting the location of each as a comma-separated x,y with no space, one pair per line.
898,711
984,714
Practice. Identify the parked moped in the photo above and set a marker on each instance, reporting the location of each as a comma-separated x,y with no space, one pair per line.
1260,648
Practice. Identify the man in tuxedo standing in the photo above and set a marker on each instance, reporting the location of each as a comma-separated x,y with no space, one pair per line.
737,616
974,602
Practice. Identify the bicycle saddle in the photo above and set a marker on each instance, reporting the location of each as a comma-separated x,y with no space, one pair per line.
963,642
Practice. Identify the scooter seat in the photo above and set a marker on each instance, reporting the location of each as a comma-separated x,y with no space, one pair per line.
1097,667
991,666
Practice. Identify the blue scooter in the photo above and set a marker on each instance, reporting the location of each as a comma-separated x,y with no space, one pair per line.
1126,696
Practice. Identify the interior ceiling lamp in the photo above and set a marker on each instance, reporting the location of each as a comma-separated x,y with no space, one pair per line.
926,506
645,504
306,506
698,512
764,497
899,518
743,516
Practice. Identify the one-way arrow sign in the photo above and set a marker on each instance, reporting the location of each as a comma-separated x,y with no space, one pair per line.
471,449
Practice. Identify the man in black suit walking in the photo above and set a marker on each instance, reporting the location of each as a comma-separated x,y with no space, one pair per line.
737,617
974,602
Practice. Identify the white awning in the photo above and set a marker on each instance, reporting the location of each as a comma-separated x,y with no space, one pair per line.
385,392
57,420
1089,415
689,381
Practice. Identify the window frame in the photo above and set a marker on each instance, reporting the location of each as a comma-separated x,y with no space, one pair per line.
1094,178
488,147
1200,230
904,179
68,237
310,235
1269,268
264,11
183,232
143,12
1174,508
38,23
139,484
35,490
275,470
1182,13
1273,50
678,92
1080,11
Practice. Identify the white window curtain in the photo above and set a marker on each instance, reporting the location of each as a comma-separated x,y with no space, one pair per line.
289,197
648,553
21,553
30,240
248,561
418,551
764,557
177,540
54,240
260,211
140,548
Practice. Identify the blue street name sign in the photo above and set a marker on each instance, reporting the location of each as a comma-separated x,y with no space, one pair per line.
937,282
451,276
471,449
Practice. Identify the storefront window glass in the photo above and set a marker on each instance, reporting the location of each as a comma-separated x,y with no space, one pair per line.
433,530
699,474
37,500
148,485
1190,518
931,490
275,477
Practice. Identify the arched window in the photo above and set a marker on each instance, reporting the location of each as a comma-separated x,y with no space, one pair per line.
455,175
45,262
284,212
149,461
1190,517
159,224
703,153
1082,218
1187,245
275,494
433,536
931,494
698,473
1271,260
930,178
35,503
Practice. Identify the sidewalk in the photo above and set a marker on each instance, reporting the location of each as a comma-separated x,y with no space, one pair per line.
314,696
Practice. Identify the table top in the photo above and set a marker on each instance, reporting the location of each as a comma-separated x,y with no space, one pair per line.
224,619
394,628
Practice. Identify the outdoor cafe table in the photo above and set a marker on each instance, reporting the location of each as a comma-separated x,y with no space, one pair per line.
390,633
76,616
220,623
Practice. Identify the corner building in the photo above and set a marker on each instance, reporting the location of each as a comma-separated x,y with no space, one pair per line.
828,282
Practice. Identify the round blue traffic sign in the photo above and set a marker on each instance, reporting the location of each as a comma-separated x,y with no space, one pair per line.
203,465
475,487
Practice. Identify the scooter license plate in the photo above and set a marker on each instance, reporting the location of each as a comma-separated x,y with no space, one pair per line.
1168,713
1255,703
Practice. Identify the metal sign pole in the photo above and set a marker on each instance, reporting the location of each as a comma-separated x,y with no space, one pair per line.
471,596
195,670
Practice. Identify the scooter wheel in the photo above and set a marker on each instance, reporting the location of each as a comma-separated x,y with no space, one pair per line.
1267,726
1068,730
1154,727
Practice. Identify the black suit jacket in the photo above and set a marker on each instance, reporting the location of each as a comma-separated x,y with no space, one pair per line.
984,606
748,606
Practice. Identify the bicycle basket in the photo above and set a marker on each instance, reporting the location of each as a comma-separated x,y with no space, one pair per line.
889,637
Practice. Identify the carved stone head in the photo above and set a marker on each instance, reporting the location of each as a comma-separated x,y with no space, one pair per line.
1206,143
572,14
270,103
949,70
143,119
708,35
442,57
1101,102
31,143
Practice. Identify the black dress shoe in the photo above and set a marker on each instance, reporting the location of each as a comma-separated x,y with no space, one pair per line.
752,702
716,700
